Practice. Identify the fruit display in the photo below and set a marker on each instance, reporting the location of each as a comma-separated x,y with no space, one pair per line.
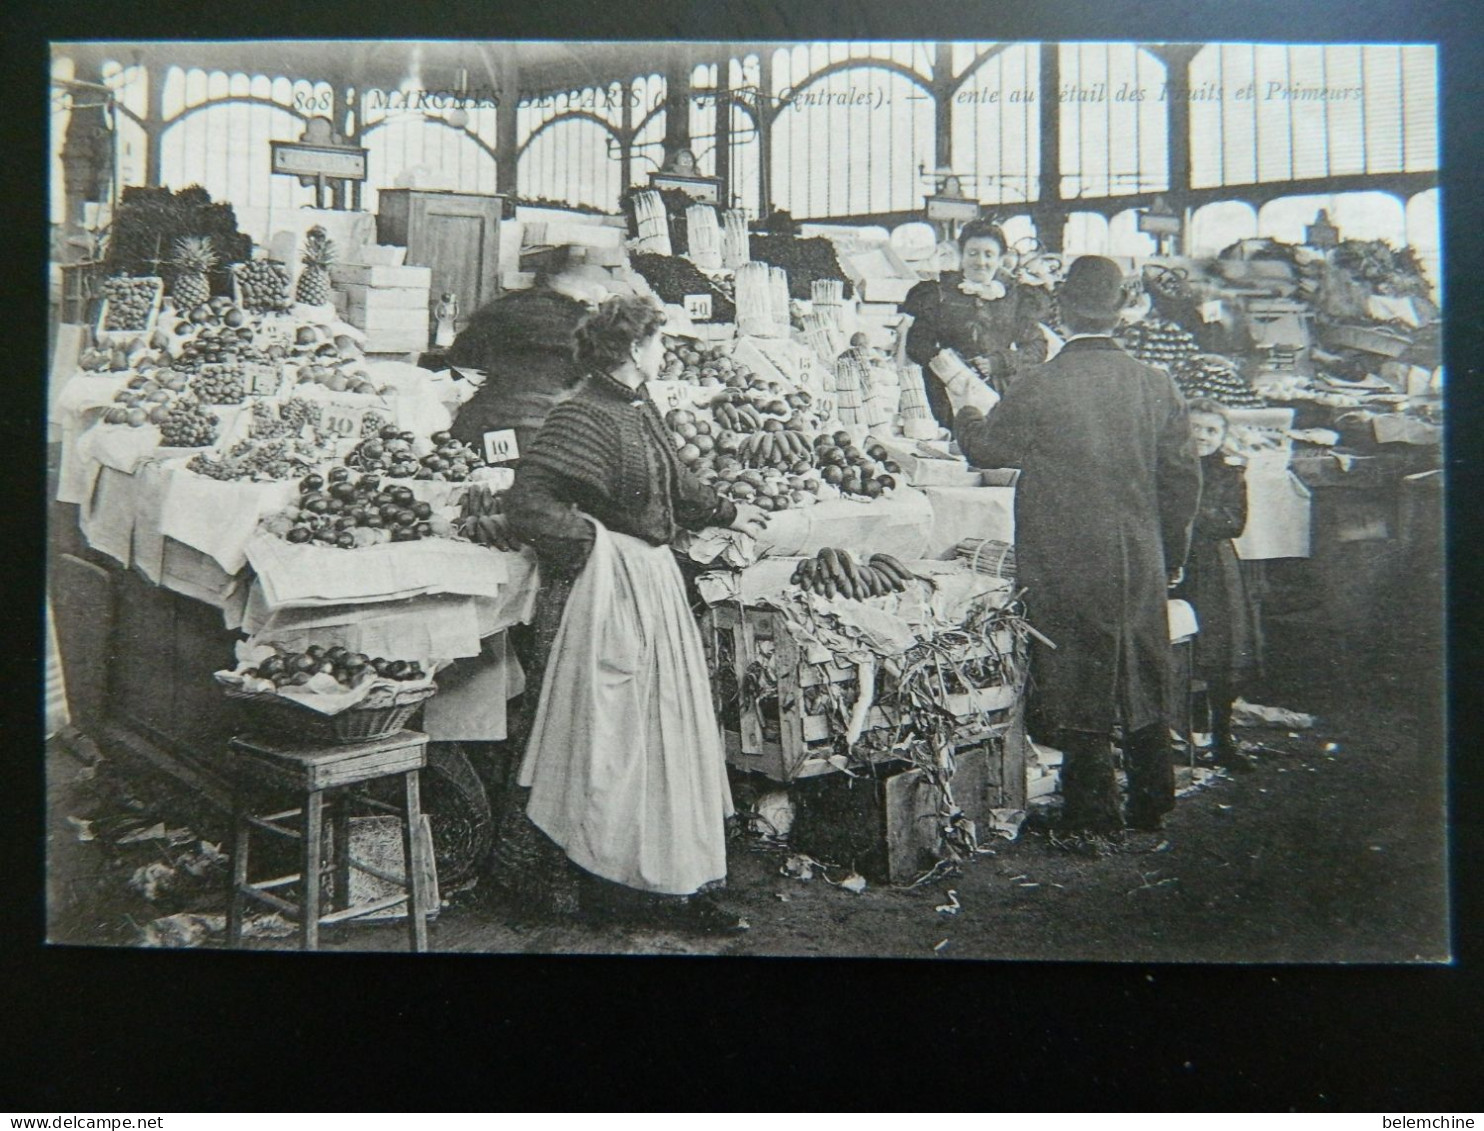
805,260
349,511
1209,375
672,278
287,419
130,302
223,383
1160,343
391,452
285,668
832,573
482,518
187,425
193,259
264,285
259,460
869,474
766,488
314,281
146,399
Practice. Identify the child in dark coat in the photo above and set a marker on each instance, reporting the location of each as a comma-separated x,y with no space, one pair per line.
1226,646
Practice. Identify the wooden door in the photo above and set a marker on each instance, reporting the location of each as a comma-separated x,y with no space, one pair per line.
457,236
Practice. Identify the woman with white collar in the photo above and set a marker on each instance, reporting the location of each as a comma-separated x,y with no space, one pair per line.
980,313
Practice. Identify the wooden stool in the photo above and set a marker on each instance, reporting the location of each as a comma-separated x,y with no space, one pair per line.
322,776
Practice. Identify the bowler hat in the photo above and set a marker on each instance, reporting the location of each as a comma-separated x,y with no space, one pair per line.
1093,289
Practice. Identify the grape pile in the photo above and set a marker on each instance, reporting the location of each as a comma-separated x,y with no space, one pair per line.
349,512
1160,343
264,285
279,458
350,669
1216,378
187,425
220,383
129,302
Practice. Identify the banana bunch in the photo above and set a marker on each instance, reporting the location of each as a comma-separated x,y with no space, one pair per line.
736,417
832,573
764,449
482,518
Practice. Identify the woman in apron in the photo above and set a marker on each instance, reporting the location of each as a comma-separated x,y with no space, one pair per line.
624,760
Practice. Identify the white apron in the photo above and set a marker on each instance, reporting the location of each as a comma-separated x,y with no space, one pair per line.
625,763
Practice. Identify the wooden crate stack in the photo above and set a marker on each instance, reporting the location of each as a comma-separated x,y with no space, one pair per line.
391,304
806,738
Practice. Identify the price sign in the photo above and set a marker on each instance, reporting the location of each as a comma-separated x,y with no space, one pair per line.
501,446
342,421
262,380
698,307
668,395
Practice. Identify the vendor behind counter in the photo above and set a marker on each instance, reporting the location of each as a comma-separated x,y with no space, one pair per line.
522,341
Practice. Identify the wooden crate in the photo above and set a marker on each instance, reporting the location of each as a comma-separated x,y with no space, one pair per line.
739,635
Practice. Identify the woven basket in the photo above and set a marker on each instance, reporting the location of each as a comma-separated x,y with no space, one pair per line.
382,713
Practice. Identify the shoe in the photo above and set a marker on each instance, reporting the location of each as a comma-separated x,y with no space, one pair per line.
704,914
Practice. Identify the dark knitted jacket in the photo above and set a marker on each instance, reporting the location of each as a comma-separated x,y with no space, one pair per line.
607,453
1003,334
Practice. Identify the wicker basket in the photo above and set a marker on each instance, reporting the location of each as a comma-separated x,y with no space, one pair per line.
384,712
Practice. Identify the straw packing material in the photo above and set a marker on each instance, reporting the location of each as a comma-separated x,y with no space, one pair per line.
851,382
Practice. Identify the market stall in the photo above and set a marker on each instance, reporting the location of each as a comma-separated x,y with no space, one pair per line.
246,452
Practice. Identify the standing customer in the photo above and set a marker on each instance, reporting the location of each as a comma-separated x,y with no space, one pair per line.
989,320
624,760
1226,646
1108,488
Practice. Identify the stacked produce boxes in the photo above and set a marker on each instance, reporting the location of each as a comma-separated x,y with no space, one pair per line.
391,304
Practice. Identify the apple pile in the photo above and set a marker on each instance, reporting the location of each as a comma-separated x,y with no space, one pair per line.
146,399
349,669
392,453
767,488
701,365
265,285
868,474
129,302
349,511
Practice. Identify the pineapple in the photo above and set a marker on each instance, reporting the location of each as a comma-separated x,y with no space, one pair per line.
193,258
314,280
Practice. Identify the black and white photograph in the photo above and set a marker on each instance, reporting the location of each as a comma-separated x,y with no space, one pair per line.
939,500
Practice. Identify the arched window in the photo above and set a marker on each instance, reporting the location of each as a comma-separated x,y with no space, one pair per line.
852,130
1296,112
996,140
1113,122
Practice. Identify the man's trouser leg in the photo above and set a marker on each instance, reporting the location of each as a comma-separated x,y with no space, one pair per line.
1151,775
1089,791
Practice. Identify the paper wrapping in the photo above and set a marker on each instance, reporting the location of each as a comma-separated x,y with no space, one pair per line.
967,512
107,516
216,517
308,575
75,410
472,694
1279,515
896,524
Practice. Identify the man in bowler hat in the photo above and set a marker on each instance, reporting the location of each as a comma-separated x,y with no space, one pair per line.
1108,489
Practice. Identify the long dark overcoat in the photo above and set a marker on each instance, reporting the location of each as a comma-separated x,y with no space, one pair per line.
1108,489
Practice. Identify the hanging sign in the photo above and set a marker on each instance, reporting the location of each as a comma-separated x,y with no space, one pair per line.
336,162
698,307
501,446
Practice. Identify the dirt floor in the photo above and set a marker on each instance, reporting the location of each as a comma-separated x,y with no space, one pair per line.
1331,850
